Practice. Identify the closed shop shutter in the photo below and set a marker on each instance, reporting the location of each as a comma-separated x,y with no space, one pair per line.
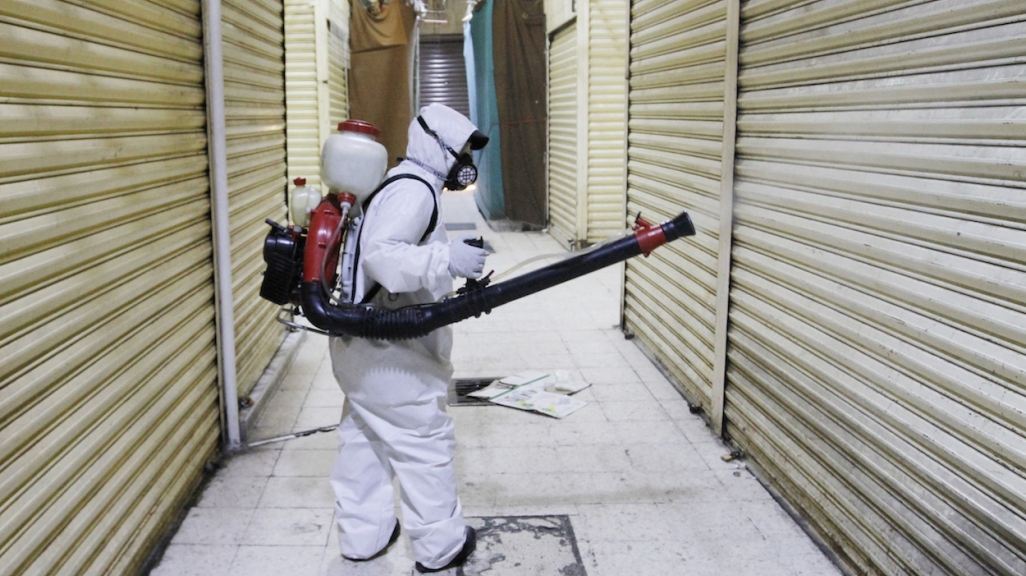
877,363
443,74
675,143
108,373
301,93
563,132
338,62
607,118
255,122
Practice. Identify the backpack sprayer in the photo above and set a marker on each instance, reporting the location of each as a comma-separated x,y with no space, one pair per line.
303,263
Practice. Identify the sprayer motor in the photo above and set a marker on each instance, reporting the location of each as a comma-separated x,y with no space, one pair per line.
283,253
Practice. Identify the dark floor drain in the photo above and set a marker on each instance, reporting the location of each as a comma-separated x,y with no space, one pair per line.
460,387
454,226
524,545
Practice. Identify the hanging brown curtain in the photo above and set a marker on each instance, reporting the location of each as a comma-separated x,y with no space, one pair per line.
518,28
379,81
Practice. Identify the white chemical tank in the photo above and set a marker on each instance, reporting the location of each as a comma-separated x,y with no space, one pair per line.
304,200
353,160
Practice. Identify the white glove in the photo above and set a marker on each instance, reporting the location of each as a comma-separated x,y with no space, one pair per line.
466,260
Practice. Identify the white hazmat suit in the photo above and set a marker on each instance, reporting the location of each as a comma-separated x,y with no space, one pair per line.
394,421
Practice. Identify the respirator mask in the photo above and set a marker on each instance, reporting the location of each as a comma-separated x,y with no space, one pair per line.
463,173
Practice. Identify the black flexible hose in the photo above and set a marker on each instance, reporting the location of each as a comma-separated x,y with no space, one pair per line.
420,320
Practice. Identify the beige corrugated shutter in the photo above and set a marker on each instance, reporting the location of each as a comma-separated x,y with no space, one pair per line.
878,311
607,117
338,61
301,93
674,153
255,120
108,375
442,73
563,132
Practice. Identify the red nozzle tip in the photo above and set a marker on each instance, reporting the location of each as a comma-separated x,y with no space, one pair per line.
299,181
650,238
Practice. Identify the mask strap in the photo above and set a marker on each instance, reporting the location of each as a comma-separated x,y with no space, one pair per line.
426,167
433,134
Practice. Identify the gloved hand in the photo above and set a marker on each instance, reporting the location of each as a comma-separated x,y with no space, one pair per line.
466,260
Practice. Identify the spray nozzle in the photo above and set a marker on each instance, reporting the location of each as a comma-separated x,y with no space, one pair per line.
640,223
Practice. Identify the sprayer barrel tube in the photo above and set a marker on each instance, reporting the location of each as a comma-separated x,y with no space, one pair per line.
417,321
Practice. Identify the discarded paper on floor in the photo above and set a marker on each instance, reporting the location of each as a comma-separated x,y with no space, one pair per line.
536,391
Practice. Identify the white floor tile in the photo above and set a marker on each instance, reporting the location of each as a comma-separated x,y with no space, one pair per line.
324,379
509,460
288,527
590,347
255,462
690,523
317,441
573,433
213,526
195,560
662,389
277,561
777,528
622,392
712,450
330,398
307,362
288,398
633,410
308,463
271,425
592,459
611,375
598,360
232,492
677,457
657,557
743,487
317,417
297,381
297,493
398,562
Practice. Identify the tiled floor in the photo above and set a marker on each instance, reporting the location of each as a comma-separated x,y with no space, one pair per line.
639,476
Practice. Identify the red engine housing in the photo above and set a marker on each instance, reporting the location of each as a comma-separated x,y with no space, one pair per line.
323,223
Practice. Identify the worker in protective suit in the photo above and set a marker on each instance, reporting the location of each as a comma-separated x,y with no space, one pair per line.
394,421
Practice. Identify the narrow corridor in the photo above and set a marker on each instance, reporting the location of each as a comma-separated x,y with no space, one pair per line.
639,479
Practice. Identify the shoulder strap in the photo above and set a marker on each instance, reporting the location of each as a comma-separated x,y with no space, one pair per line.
373,290
434,213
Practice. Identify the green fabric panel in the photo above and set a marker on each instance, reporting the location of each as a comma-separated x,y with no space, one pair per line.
490,195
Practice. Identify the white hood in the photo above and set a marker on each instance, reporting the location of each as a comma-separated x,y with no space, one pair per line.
452,127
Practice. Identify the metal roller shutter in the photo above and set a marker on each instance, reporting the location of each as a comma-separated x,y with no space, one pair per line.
877,364
442,74
108,375
255,122
301,93
338,62
607,120
675,145
563,132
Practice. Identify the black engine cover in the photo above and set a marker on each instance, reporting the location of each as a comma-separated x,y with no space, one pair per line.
283,252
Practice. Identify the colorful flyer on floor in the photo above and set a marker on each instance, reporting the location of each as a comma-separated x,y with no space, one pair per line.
538,400
556,405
